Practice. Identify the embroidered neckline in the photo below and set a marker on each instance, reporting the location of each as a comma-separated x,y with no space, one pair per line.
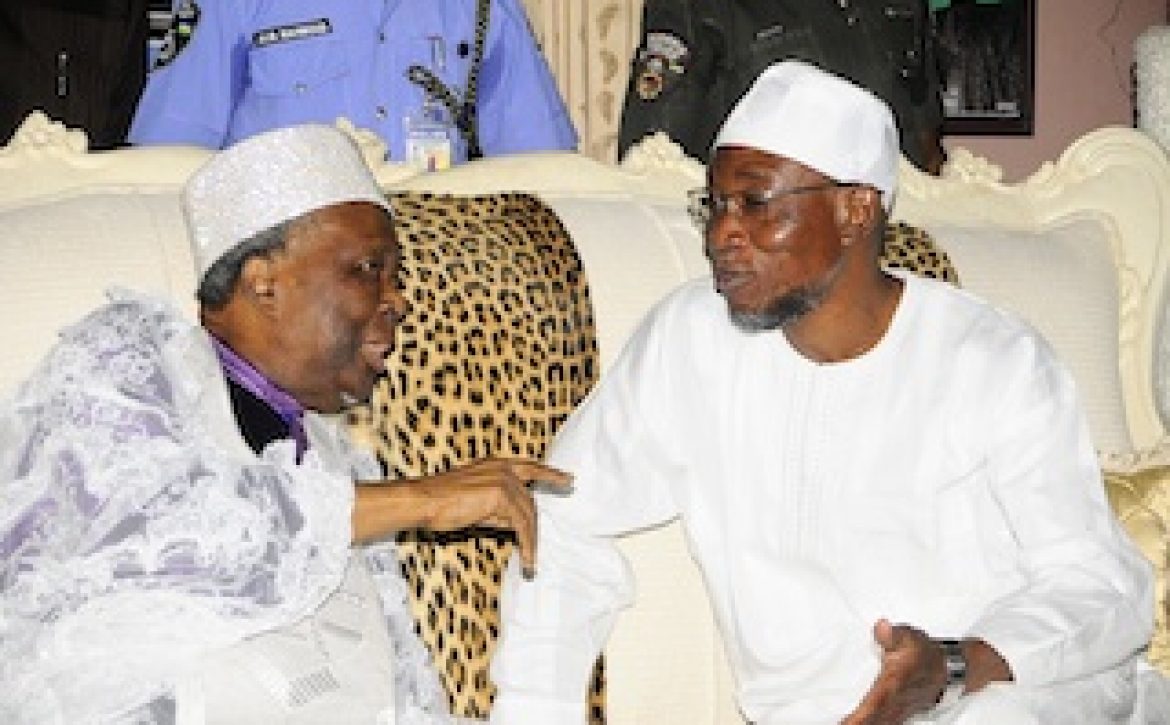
244,374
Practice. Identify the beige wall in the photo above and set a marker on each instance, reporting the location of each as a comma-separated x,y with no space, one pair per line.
1084,49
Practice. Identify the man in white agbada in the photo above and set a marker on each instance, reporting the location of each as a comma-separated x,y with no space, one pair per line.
888,484
180,536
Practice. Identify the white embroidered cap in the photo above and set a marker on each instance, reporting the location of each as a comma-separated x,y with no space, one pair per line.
823,121
268,179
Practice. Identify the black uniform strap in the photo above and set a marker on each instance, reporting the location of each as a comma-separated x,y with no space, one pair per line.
463,112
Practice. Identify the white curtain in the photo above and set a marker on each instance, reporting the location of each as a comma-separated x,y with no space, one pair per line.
589,44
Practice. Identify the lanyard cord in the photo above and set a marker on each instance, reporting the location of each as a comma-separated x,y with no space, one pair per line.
464,113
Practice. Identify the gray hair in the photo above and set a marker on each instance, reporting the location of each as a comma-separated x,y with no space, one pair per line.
221,278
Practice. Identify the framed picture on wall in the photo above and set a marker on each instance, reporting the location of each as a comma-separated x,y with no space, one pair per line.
986,57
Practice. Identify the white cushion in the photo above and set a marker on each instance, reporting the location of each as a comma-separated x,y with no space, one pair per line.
633,253
62,254
1061,279
1162,357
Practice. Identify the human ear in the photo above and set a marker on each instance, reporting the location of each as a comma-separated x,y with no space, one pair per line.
857,211
258,280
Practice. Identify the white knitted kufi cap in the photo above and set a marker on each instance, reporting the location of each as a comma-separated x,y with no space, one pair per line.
820,120
268,179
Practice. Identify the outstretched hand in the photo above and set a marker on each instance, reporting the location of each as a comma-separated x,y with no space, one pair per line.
491,492
912,676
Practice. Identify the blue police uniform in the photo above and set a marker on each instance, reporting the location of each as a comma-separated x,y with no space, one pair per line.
253,65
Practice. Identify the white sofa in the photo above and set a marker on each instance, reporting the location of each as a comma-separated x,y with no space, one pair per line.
1081,248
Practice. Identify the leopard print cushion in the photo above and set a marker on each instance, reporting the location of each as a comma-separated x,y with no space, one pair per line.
497,348
912,249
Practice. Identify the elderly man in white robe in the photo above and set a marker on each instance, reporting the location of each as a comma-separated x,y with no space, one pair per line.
180,536
888,484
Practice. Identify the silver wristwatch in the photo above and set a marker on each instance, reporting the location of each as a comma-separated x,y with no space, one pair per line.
956,662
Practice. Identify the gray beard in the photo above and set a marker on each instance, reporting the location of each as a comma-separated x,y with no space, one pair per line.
780,312
788,308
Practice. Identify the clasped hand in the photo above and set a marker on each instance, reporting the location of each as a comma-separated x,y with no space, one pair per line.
912,676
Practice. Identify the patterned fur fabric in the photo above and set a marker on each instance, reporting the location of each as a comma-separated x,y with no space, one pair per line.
912,249
497,348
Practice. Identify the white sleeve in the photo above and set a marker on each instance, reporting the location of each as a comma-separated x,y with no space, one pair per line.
1088,601
555,625
128,537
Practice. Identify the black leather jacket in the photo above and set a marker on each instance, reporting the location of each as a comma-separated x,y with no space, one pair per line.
81,61
697,57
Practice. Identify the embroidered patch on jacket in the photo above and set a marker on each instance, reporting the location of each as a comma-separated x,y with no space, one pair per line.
661,62
179,34
773,31
296,31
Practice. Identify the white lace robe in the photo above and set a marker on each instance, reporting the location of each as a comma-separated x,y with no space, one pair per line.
139,536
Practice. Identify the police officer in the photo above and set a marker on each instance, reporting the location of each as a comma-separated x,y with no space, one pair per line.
232,68
697,58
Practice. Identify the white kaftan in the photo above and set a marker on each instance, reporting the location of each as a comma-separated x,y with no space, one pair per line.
944,479
146,552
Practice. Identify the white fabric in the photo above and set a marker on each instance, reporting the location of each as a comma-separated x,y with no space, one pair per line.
1077,313
829,124
626,279
944,479
332,667
116,235
140,537
271,178
1162,358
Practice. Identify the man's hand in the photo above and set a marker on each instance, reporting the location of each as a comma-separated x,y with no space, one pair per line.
912,677
491,492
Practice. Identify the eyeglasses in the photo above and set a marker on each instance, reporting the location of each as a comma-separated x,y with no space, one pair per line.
752,206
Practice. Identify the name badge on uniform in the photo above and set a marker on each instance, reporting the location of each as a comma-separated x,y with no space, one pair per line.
296,31
661,62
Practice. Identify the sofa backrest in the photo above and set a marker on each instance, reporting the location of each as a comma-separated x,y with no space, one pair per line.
74,224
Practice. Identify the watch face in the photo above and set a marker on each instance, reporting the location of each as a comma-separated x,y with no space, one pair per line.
956,662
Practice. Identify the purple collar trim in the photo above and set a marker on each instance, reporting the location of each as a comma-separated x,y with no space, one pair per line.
249,378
